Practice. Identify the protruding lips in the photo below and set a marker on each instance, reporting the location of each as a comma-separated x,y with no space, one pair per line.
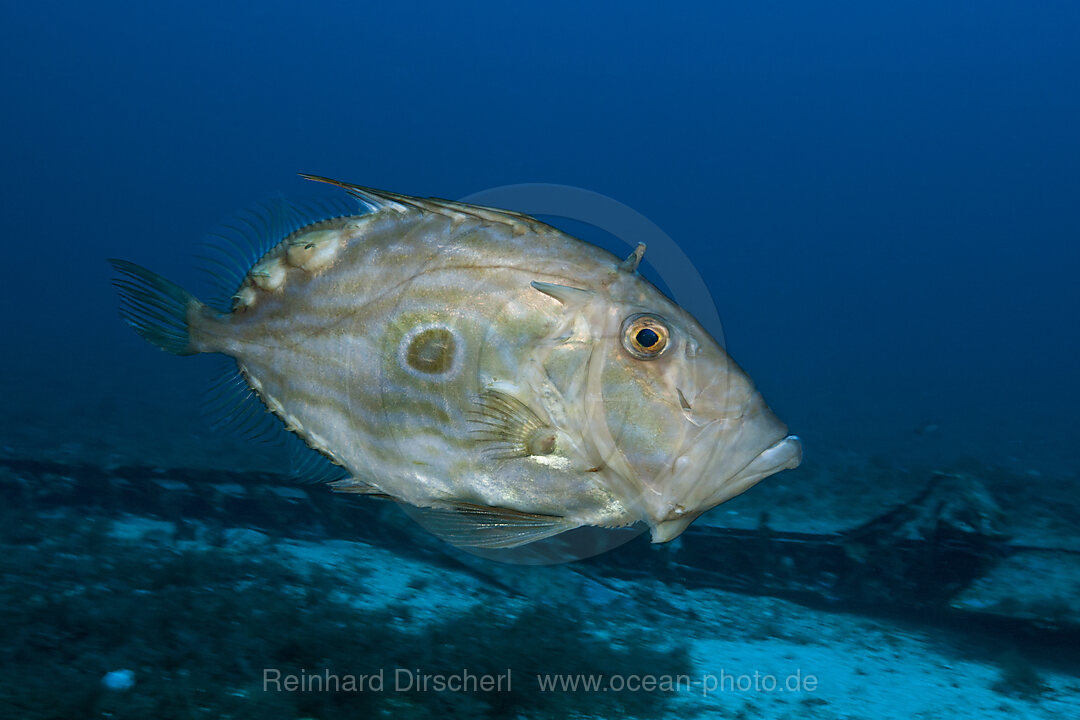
784,454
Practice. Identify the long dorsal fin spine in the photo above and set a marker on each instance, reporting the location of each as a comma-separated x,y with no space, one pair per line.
455,211
374,199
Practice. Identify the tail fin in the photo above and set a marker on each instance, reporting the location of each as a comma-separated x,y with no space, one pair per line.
157,308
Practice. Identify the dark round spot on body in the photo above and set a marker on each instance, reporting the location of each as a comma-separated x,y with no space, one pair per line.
432,351
647,337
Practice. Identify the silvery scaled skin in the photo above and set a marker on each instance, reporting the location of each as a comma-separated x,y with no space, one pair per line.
509,381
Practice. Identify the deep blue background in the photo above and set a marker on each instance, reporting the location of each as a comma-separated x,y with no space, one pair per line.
884,198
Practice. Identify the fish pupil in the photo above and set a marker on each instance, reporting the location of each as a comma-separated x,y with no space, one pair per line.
647,337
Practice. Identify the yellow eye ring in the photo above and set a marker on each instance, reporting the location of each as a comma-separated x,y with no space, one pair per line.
645,336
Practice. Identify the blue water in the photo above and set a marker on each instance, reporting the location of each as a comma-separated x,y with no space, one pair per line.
883,199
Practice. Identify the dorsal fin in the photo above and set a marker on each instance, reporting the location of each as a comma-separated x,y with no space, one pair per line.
374,199
456,211
519,222
239,243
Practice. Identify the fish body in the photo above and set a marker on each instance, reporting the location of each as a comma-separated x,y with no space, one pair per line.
508,381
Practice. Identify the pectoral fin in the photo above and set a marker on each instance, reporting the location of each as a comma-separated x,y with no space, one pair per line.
507,428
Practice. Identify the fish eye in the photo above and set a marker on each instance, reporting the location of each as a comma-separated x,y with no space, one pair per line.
645,336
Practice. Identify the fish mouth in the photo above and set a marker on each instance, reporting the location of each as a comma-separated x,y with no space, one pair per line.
784,454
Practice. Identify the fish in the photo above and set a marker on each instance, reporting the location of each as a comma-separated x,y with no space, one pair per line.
503,380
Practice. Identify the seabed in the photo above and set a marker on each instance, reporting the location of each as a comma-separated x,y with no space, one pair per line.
947,595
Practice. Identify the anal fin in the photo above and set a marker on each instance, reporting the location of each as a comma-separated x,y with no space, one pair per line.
481,526
312,465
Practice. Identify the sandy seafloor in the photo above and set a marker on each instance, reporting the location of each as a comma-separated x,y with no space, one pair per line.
866,665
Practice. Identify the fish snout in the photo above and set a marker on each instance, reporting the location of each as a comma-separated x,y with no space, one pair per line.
706,478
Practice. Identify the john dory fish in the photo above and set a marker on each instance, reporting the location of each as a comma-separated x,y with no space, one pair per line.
512,381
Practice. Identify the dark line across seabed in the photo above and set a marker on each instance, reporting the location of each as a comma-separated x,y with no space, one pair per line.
878,566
